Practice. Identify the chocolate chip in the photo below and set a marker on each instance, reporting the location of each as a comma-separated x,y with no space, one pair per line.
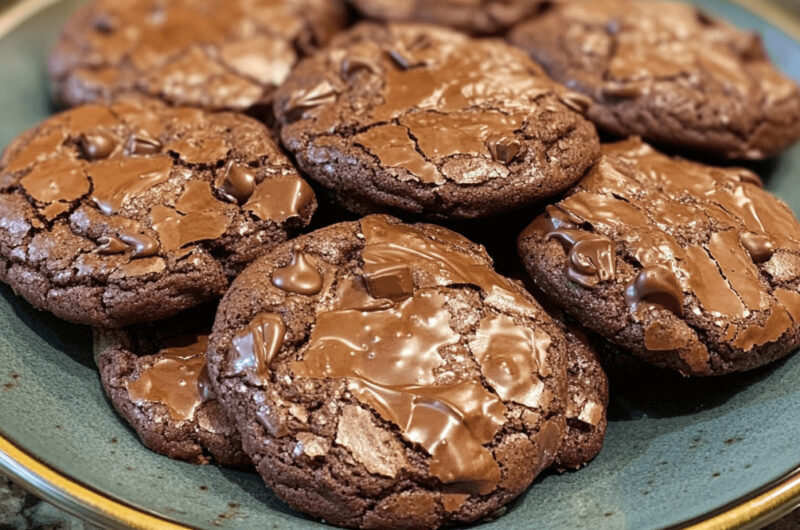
111,245
143,246
392,283
504,148
236,182
142,143
97,146
759,246
300,101
656,285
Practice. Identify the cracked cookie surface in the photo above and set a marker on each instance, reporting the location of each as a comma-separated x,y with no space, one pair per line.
115,215
423,120
213,54
669,73
587,402
691,267
474,16
383,375
155,375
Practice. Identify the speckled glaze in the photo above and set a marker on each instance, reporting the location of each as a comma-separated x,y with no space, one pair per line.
676,449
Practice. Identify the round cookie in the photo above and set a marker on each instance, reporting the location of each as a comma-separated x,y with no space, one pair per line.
155,375
383,375
474,16
669,73
213,54
691,267
424,120
111,216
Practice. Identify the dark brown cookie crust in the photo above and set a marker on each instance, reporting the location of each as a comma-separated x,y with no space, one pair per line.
485,17
587,402
669,73
123,355
111,216
297,429
213,54
363,118
690,267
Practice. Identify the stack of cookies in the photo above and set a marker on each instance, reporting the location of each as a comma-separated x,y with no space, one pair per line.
253,203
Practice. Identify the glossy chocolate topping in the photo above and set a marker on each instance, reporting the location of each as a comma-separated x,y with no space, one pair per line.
255,346
591,256
704,241
215,54
656,285
386,337
299,276
150,198
178,379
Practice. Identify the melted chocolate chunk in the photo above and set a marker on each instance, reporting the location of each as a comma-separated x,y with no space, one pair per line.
503,148
656,286
299,276
280,198
255,346
141,245
111,245
390,282
142,143
591,256
178,380
237,182
96,146
759,246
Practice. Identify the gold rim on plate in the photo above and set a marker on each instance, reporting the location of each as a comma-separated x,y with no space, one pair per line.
753,511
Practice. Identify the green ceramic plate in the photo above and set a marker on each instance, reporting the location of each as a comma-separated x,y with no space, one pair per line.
676,451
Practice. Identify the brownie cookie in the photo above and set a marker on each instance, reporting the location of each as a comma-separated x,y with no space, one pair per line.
691,267
111,216
213,54
156,377
383,375
424,120
669,73
587,402
475,16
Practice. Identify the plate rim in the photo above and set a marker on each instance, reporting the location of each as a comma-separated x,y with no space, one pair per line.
753,510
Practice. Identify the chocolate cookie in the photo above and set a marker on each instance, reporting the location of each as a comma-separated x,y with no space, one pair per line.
691,267
383,375
156,377
669,73
475,16
213,54
111,216
424,120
